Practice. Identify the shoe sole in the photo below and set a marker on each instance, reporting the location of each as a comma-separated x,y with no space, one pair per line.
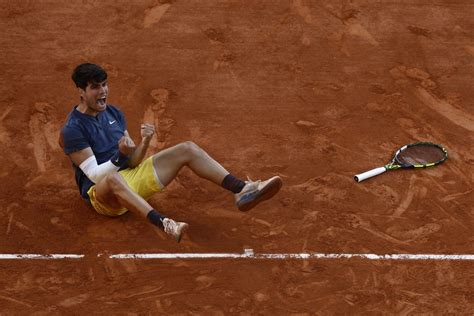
267,193
183,230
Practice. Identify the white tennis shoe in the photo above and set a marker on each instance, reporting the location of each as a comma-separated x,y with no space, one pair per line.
255,192
174,229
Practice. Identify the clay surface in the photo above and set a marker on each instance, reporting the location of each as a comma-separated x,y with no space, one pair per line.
313,91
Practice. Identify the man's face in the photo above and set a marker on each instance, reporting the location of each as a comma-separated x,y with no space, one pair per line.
95,96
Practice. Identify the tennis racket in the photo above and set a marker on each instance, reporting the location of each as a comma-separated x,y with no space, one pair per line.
417,155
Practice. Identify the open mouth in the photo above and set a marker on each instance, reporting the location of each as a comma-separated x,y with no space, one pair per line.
101,101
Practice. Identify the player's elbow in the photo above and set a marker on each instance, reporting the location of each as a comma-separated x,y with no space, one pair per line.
95,172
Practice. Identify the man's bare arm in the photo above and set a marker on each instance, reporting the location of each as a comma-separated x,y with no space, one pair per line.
147,131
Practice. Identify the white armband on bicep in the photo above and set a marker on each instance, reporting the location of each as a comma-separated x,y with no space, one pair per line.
96,172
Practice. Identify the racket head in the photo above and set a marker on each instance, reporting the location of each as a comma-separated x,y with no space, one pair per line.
419,155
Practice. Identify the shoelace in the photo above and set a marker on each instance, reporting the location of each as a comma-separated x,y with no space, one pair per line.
251,181
169,225
254,184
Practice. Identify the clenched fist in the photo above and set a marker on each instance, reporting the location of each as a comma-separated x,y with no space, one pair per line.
126,145
147,131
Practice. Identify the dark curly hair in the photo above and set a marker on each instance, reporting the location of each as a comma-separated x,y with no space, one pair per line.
86,73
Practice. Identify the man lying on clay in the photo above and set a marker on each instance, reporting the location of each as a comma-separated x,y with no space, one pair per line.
110,169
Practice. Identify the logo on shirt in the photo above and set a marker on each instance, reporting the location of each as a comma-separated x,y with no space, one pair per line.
111,122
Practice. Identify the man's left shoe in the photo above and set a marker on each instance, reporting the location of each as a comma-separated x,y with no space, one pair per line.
255,192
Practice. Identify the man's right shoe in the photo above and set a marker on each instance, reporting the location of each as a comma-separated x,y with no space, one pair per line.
255,192
174,229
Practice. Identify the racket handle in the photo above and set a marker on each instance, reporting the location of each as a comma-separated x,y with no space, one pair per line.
369,174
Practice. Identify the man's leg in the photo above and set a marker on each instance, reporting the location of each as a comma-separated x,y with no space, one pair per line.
114,192
168,162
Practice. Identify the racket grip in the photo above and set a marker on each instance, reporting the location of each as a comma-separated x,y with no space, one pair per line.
369,174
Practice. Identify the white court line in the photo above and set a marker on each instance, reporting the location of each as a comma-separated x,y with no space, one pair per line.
248,254
291,256
53,256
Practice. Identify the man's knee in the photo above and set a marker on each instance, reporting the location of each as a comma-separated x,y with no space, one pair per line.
190,148
116,182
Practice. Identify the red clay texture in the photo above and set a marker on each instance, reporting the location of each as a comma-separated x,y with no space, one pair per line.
312,91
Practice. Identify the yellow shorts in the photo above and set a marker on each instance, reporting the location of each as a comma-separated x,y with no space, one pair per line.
142,179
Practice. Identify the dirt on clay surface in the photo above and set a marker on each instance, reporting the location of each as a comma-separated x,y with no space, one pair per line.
313,91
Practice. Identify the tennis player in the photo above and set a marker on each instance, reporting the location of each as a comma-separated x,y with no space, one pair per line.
110,169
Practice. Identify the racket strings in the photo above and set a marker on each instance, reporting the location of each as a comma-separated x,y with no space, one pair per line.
421,155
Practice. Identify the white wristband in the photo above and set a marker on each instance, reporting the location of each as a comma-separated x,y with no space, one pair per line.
96,172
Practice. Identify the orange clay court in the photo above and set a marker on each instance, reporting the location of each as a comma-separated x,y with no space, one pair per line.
312,91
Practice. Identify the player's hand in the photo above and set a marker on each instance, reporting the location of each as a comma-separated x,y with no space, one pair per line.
126,145
147,131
